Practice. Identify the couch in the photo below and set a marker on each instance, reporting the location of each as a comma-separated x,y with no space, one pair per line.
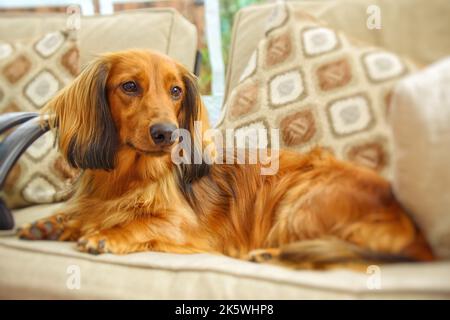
44,269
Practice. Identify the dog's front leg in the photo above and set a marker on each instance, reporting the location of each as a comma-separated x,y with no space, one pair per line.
60,227
149,234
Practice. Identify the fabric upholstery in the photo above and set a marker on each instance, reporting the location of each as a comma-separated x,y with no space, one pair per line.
420,119
42,269
163,30
415,28
31,73
319,87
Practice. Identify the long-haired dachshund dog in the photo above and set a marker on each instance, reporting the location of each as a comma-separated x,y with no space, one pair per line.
116,121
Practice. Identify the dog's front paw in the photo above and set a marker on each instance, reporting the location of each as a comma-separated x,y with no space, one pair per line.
109,241
105,242
94,244
51,228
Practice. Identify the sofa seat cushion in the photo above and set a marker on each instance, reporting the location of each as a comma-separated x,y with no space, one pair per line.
44,269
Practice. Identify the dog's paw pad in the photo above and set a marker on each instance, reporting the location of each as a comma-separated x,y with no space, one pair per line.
48,226
93,244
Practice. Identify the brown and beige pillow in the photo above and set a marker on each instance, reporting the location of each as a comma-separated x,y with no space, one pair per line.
31,72
319,87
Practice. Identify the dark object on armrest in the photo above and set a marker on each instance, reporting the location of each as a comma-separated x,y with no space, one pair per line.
6,218
12,119
12,147
198,63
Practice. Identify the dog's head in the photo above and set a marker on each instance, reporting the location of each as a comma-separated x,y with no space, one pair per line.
132,99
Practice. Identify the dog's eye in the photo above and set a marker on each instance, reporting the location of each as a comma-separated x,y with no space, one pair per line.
175,92
130,87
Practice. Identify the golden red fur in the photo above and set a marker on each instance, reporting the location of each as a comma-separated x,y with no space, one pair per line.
315,211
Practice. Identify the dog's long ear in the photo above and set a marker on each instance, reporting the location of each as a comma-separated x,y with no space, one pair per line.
86,132
192,110
190,106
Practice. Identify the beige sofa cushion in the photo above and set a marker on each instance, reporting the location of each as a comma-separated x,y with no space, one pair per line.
416,28
163,30
31,73
42,269
420,119
319,87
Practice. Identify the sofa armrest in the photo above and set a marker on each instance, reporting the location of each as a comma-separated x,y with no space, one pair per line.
12,147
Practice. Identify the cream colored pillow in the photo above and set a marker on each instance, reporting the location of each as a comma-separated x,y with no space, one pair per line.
31,72
319,87
420,119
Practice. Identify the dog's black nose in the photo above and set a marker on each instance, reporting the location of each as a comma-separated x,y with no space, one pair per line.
161,133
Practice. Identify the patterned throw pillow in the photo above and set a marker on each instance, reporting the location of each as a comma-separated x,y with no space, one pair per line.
319,87
31,72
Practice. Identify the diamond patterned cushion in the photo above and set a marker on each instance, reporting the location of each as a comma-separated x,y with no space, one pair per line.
319,87
31,72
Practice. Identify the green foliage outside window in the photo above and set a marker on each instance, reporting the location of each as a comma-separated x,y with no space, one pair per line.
228,9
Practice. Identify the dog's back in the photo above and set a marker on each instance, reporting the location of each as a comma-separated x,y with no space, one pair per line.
316,209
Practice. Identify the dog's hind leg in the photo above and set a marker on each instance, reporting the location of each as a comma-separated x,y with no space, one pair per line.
278,257
369,244
318,254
